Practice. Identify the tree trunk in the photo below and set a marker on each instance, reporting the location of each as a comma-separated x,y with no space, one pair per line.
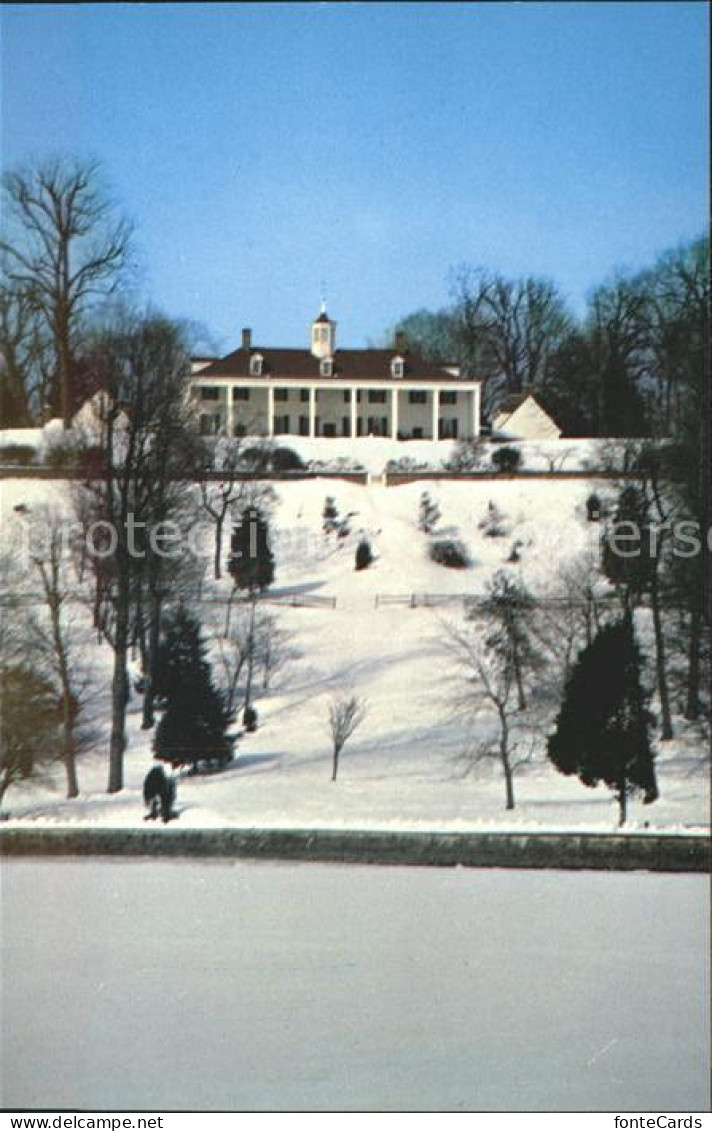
692,707
64,367
51,583
666,731
154,628
5,782
119,697
521,698
218,548
622,805
250,656
504,754
335,765
70,763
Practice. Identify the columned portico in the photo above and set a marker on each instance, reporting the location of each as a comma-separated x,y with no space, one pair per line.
270,410
352,405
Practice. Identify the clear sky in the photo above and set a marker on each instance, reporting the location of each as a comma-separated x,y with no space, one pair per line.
264,148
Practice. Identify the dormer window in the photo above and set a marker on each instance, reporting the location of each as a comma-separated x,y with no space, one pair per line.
326,367
256,365
397,367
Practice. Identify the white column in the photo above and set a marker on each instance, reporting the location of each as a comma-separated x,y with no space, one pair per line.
353,413
312,410
394,414
476,411
270,410
230,412
436,412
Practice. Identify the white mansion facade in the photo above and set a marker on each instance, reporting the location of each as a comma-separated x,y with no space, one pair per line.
325,391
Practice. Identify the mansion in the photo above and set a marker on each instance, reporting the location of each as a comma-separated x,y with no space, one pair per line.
325,391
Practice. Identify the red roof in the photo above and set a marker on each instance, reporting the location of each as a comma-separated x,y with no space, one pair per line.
349,365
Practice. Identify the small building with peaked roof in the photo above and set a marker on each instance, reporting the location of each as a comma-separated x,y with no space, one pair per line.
522,416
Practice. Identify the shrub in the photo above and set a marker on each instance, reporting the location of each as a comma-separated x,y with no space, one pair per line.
407,464
492,525
17,453
249,719
451,553
364,554
428,513
330,515
594,508
506,460
468,456
286,459
515,554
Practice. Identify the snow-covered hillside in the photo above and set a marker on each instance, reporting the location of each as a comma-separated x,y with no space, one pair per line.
402,768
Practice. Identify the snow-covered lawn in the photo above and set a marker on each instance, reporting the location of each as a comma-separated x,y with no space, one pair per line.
401,769
156,985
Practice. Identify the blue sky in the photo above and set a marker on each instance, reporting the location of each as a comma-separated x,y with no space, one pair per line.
264,148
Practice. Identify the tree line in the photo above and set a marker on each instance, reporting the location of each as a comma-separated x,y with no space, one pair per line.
633,365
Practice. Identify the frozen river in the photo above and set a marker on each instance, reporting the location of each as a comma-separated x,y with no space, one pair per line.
162,985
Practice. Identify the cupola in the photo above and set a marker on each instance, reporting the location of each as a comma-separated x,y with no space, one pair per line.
323,334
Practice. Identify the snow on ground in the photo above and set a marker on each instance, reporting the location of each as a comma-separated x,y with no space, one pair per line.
340,988
401,769
374,452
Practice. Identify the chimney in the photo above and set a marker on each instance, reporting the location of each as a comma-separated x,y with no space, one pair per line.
401,341
247,339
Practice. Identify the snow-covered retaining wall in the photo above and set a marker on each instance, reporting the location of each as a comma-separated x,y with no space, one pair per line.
398,478
593,851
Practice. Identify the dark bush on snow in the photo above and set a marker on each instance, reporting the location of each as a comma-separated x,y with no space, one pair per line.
594,508
506,459
286,459
451,553
364,554
249,719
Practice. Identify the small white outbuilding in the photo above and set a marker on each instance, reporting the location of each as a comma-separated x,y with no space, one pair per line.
522,417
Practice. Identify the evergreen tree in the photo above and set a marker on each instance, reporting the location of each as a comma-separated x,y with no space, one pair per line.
428,514
509,610
627,550
602,730
364,554
330,516
195,721
251,562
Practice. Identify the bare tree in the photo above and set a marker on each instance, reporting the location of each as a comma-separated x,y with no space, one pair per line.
142,364
53,638
486,685
509,613
64,249
346,713
508,328
228,485
571,611
25,347
30,723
